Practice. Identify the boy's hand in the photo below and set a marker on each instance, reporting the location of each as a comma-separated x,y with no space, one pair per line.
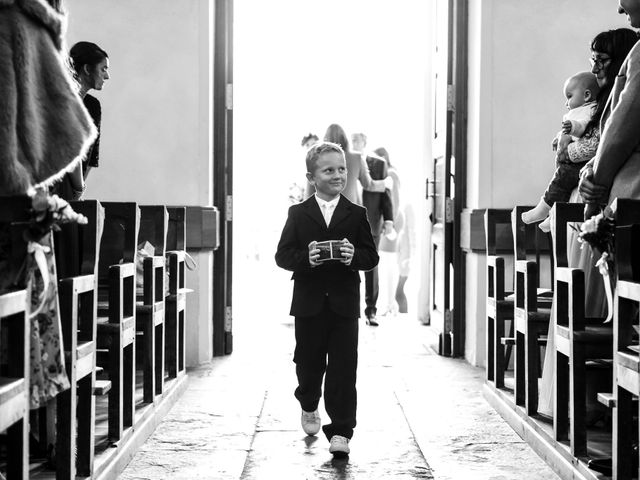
554,143
347,250
314,254
566,127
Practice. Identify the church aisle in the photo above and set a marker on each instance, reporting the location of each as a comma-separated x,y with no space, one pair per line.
420,416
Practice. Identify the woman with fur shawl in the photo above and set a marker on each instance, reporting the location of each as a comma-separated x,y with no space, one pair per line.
45,130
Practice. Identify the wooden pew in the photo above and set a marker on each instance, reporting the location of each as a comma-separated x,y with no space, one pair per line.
150,308
531,314
117,313
578,339
626,378
175,301
75,407
77,251
499,308
14,384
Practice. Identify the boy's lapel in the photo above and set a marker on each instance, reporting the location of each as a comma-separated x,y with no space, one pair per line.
313,210
342,211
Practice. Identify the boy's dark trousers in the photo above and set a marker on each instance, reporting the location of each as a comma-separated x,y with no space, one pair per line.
565,179
327,346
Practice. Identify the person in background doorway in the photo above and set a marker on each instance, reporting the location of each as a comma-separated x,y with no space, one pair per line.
380,212
91,70
395,248
309,140
326,294
357,169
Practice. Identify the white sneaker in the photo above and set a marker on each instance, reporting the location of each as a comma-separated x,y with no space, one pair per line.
310,422
339,446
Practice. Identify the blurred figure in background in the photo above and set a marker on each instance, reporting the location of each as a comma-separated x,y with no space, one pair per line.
380,212
395,249
309,140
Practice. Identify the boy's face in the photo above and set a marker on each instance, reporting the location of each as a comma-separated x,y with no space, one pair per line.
575,93
329,176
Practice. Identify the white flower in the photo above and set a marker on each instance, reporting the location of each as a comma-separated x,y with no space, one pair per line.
590,226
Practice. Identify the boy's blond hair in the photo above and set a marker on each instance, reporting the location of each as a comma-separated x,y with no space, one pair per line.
318,149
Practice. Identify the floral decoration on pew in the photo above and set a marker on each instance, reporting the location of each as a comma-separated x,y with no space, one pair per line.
599,233
48,212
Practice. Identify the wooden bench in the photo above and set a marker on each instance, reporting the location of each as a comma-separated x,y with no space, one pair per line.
626,378
117,315
499,309
578,339
531,313
75,407
14,384
175,301
77,248
150,308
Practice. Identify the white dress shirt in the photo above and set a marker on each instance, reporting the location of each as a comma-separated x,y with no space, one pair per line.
327,208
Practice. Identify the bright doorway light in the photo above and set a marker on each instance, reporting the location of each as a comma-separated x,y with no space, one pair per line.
300,65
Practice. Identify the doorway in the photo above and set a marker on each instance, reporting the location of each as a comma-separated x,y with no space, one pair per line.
299,67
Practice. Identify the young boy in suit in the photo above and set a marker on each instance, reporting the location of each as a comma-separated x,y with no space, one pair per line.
326,294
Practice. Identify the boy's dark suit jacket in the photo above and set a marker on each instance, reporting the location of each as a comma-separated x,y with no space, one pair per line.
333,280
378,204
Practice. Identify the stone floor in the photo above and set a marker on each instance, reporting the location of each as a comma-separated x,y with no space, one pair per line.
420,416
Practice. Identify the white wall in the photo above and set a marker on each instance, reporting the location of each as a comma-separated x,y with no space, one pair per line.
520,54
156,143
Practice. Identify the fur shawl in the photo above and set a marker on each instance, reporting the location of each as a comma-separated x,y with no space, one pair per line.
44,128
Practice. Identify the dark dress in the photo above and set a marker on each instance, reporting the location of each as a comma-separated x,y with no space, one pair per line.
92,105
63,188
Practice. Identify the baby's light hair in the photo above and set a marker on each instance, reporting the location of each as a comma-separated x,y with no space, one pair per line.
318,149
587,80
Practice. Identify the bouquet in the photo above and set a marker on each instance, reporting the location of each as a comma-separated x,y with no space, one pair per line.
599,233
48,212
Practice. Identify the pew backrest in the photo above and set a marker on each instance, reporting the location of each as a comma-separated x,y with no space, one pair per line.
120,236
177,230
154,223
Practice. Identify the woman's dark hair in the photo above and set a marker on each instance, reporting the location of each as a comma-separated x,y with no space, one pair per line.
336,134
85,53
616,44
382,153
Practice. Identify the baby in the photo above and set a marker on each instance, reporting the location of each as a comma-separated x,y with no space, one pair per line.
580,91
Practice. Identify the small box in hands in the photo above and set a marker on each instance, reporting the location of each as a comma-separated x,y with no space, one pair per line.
329,250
